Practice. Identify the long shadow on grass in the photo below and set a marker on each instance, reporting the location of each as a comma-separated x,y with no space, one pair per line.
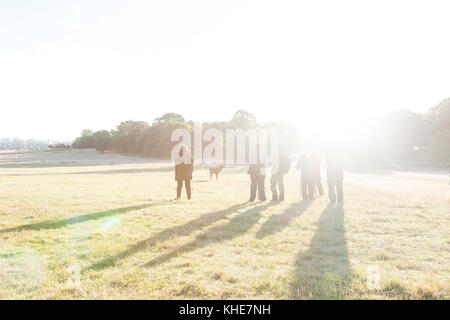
78,219
323,271
109,172
278,222
237,226
133,170
180,230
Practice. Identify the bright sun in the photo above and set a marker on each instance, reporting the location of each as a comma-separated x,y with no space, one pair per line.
321,131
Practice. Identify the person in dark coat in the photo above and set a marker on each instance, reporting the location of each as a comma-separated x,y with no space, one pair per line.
257,179
315,160
278,178
307,177
183,171
335,177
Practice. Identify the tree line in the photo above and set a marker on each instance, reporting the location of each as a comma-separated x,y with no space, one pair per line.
399,137
141,138
412,138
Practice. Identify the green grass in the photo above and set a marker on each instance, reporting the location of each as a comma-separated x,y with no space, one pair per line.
114,231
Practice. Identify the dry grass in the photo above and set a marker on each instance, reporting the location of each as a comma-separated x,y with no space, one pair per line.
72,230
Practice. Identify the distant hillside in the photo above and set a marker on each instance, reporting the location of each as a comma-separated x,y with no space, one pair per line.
29,144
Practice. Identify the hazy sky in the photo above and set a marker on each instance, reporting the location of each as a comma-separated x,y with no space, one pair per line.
70,65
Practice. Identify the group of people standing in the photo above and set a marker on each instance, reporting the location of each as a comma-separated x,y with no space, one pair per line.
309,166
310,182
257,174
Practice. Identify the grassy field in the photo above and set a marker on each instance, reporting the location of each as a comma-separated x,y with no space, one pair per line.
94,226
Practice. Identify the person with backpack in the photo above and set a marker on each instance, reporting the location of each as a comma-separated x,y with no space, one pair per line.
277,179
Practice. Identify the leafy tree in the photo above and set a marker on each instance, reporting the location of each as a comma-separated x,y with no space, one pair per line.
402,133
102,140
127,136
243,119
85,141
440,147
170,118
86,133
440,115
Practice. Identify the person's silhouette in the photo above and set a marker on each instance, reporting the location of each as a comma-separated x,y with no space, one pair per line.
335,177
307,177
183,171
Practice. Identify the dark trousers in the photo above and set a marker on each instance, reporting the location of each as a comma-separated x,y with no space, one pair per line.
318,183
257,183
187,184
277,180
335,189
307,188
